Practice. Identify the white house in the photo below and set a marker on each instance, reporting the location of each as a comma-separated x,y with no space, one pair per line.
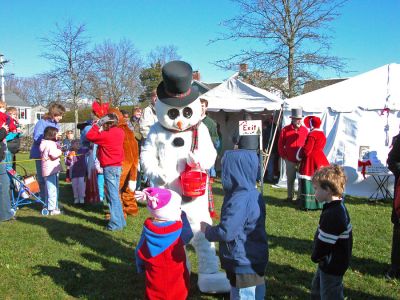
24,108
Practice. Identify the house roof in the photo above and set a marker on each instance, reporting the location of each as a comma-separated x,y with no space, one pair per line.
204,87
13,99
313,85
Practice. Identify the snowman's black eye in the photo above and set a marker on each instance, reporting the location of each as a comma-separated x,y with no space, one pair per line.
173,113
187,112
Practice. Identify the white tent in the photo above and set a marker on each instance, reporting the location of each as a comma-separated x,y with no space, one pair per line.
234,95
227,102
359,113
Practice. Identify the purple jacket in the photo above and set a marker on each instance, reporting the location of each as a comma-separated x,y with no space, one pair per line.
38,135
77,163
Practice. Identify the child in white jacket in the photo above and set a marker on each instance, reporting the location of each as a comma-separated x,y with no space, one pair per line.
50,153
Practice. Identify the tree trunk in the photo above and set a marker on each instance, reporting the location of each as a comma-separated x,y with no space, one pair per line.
76,120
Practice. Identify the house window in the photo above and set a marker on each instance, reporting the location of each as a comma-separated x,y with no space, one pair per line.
39,115
22,113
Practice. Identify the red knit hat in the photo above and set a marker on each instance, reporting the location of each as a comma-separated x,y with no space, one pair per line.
312,122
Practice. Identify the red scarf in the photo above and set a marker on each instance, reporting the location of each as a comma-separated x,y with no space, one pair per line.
195,142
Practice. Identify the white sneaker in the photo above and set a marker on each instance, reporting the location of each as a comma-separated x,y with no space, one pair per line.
55,212
76,201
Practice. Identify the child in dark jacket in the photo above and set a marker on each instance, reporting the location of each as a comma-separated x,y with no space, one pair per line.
333,240
160,252
243,246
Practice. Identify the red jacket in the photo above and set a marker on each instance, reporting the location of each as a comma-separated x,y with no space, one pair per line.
290,141
111,150
312,154
4,118
162,250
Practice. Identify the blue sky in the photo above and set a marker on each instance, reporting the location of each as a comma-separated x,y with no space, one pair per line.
367,33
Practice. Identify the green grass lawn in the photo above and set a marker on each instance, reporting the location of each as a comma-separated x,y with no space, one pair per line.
72,256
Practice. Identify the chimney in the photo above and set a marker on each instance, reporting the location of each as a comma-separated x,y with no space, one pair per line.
196,75
243,68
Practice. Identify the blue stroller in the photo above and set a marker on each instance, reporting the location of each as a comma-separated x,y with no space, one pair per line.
24,190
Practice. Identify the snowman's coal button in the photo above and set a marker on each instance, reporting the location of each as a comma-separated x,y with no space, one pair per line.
178,142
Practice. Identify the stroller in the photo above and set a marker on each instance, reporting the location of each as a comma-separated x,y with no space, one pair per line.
24,190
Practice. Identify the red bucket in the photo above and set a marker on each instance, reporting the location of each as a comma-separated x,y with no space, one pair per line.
193,182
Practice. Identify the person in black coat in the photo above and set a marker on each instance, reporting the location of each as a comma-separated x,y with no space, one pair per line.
393,162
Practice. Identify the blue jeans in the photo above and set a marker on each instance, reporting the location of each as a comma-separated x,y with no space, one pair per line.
100,184
6,213
40,179
52,191
326,287
111,177
250,293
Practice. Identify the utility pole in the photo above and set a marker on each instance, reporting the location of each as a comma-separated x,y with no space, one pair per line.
2,63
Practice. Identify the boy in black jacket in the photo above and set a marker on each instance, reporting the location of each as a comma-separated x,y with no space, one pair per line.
333,240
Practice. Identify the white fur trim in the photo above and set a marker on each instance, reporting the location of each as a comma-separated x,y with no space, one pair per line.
304,176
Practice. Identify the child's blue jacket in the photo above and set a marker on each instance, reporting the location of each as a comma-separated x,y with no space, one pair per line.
243,246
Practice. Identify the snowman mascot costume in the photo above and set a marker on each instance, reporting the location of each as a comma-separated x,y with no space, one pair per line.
176,141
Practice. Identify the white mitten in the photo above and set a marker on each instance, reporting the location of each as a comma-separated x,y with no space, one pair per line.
192,160
132,185
141,197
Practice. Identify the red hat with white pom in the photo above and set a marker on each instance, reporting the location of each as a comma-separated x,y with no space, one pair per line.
312,122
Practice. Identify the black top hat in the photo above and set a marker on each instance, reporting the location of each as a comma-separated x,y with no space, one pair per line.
176,88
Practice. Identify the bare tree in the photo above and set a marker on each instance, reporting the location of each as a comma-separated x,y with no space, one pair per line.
163,54
66,48
290,37
18,86
37,90
115,72
150,77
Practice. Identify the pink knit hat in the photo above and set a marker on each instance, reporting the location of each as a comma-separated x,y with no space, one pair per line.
163,204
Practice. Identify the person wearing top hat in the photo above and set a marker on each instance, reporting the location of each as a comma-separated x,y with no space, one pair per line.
312,158
291,138
179,142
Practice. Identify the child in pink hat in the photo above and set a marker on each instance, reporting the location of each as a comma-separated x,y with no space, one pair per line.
160,252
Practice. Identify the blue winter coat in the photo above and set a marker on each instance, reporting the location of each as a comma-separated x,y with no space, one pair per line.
243,246
38,132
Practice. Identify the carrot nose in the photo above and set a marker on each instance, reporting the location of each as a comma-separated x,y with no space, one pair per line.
179,124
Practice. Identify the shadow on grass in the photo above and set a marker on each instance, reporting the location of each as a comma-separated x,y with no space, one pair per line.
115,279
286,282
291,244
85,217
300,246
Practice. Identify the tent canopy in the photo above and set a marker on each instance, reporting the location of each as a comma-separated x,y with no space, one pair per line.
373,90
353,120
234,95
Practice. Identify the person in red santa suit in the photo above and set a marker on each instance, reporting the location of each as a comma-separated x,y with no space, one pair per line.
312,158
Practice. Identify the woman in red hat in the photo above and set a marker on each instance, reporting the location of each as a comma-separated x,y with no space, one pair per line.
312,158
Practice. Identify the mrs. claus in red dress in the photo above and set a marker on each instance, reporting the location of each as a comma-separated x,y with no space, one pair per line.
312,158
